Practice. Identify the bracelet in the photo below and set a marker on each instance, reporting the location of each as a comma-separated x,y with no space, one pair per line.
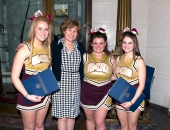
26,95
131,102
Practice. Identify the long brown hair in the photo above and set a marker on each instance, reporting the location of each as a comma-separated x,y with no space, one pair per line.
136,51
31,36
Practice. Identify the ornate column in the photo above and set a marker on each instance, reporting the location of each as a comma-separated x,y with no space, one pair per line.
123,20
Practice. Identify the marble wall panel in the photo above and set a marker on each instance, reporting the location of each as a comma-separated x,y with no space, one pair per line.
157,99
160,87
158,11
167,102
158,36
159,59
160,91
104,12
140,12
143,53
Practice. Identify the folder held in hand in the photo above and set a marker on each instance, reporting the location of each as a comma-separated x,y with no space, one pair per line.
122,91
41,84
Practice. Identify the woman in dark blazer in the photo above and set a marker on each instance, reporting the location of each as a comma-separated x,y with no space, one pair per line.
67,66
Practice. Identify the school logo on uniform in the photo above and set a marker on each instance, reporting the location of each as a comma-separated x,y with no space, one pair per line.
98,67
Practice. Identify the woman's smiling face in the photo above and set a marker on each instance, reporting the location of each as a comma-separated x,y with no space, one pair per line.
70,34
98,45
41,31
127,44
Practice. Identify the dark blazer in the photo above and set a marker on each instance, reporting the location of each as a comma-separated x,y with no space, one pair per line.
56,59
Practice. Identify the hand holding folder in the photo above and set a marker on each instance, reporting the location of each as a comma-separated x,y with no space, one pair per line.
41,84
122,91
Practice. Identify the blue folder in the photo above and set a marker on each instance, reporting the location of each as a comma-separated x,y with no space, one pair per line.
41,84
122,91
149,77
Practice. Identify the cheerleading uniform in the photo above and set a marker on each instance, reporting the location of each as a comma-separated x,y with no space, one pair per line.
38,62
129,71
97,82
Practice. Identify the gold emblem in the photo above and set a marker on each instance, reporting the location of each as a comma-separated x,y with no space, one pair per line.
38,86
127,95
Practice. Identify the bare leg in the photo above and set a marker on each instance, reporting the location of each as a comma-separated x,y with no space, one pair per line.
41,114
123,118
29,118
62,124
133,119
89,119
66,123
70,123
34,120
99,117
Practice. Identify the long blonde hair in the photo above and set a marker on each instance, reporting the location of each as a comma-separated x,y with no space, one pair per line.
48,40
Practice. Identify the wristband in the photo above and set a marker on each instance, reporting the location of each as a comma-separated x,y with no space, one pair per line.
131,102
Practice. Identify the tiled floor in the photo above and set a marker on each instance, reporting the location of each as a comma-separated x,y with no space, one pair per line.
159,115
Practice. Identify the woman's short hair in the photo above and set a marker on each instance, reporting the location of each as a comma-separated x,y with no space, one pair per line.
70,23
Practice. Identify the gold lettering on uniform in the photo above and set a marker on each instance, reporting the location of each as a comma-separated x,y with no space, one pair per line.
97,67
93,67
37,59
124,71
44,58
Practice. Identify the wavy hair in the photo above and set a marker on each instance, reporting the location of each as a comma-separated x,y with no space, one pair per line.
31,35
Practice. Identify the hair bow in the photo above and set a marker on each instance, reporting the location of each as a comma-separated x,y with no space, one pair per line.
39,13
48,16
93,30
133,30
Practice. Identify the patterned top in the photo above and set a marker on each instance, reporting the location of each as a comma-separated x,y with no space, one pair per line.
97,71
65,103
